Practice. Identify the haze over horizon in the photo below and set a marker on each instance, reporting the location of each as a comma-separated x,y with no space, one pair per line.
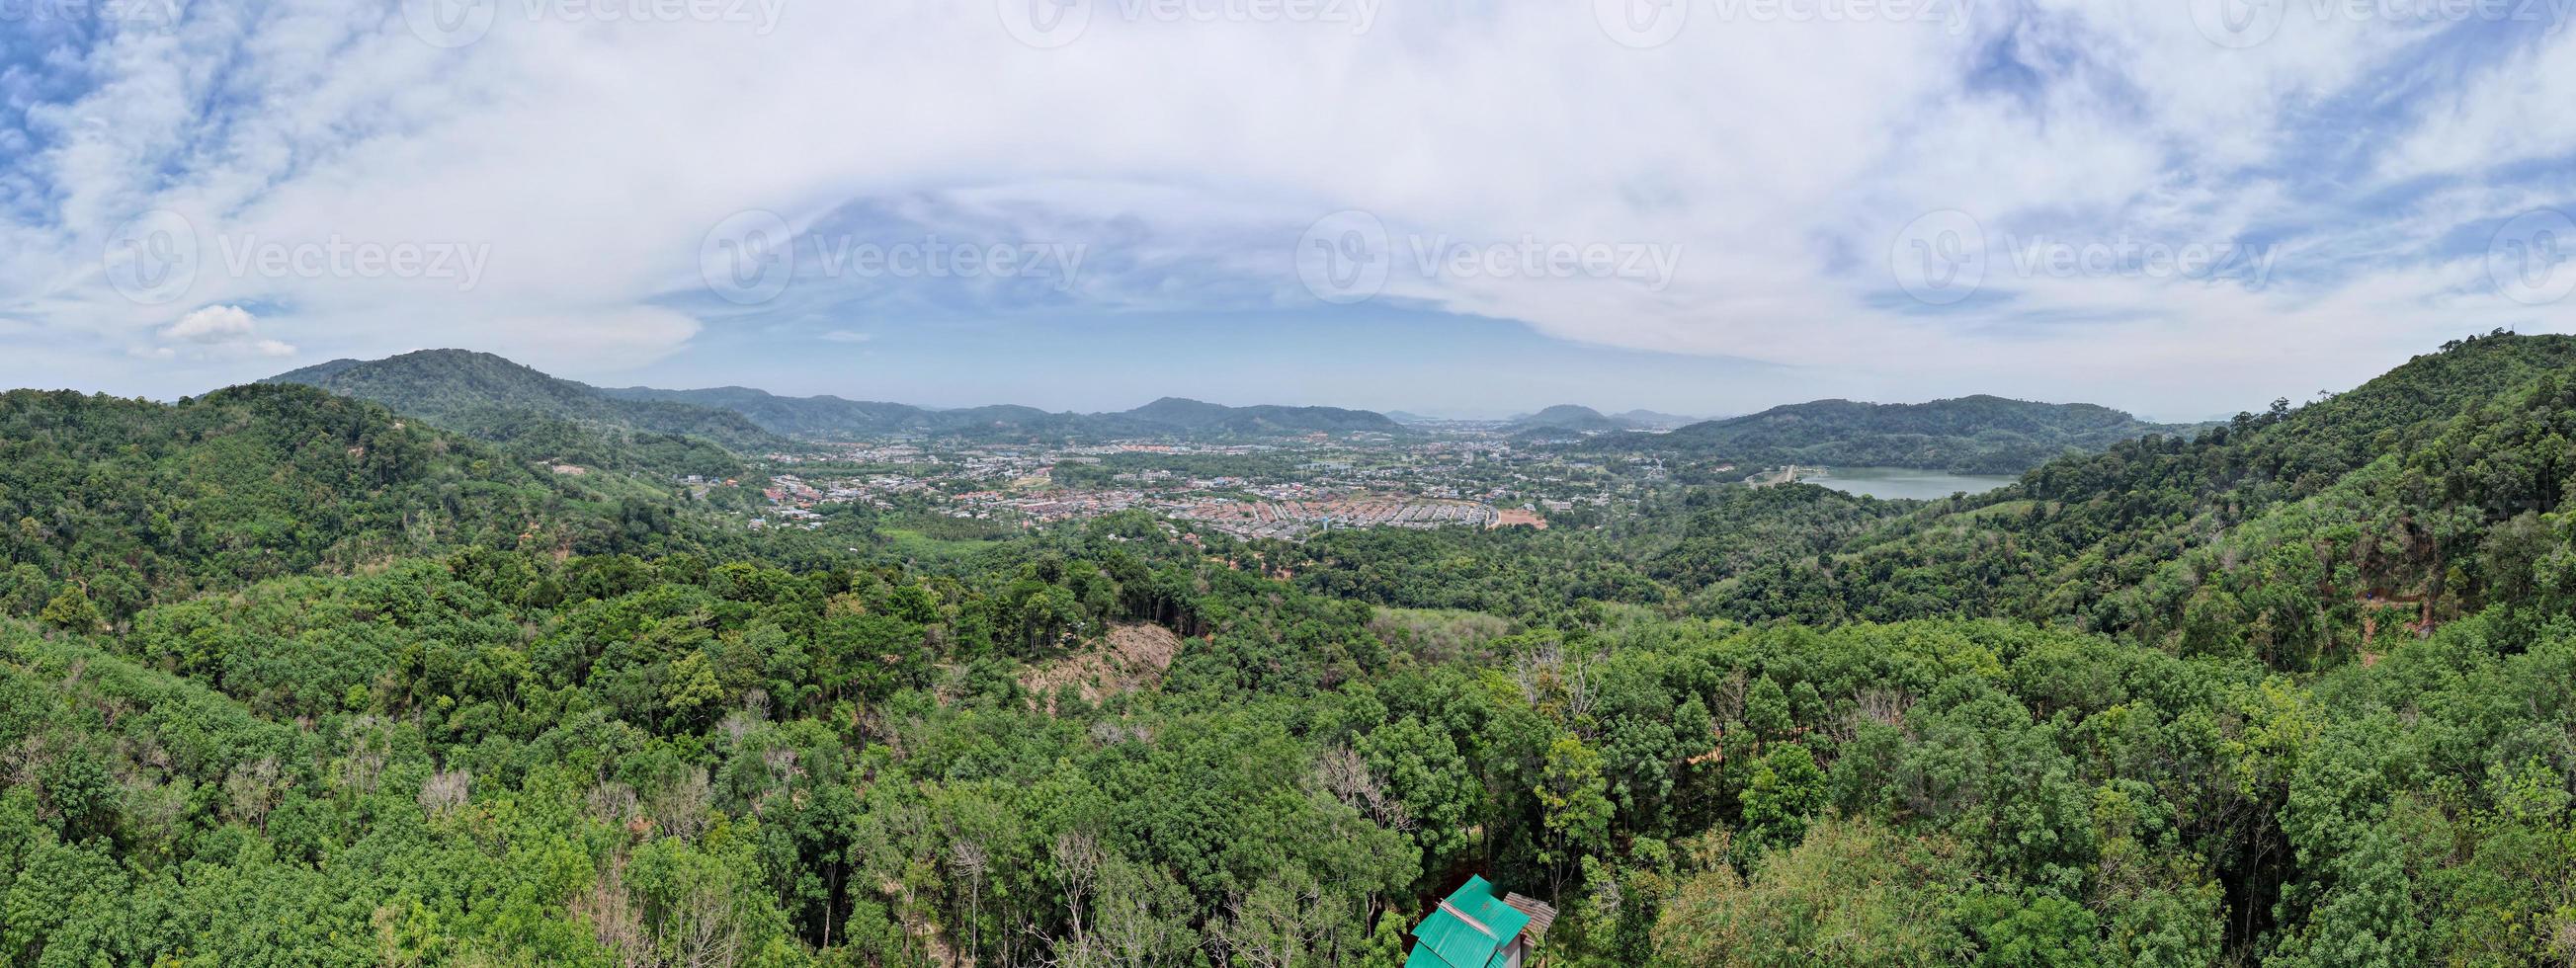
2163,208
1237,397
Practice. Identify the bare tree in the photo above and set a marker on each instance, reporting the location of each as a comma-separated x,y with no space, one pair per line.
1141,919
369,748
251,790
680,808
614,918
1547,676
611,803
701,929
1342,773
445,791
1077,872
1279,924
967,860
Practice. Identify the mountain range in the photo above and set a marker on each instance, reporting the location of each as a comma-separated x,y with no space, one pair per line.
1975,434
470,391
1567,417
496,399
487,396
830,417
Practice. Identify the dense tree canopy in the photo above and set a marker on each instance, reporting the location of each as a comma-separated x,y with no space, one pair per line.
287,680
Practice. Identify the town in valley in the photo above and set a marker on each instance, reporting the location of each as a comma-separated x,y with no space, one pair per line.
1287,489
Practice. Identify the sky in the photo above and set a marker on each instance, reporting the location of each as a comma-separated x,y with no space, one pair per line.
2183,208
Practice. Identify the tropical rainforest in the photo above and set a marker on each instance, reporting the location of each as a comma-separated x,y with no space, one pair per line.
290,678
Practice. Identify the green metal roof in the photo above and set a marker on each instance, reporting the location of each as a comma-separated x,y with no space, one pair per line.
1470,929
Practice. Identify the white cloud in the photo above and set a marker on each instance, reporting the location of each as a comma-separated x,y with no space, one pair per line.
2510,112
846,336
213,324
221,331
1780,159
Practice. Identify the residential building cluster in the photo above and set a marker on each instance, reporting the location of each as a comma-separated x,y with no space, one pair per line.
1287,490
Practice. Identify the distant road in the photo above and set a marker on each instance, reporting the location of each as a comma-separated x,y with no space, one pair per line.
1767,478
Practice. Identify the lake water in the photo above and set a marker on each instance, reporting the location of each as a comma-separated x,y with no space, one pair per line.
1904,482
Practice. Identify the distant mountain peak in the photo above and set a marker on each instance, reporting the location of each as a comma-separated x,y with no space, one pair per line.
1568,418
469,389
451,383
1977,433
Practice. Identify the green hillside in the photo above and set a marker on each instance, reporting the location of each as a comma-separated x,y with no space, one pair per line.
487,396
2440,480
131,502
1571,418
1967,435
2292,692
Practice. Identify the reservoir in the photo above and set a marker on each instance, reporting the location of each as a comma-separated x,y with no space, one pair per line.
1901,482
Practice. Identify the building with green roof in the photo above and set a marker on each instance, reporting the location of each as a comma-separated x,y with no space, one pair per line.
1478,926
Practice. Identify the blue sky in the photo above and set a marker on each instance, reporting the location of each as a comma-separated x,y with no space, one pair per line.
2181,207
1373,358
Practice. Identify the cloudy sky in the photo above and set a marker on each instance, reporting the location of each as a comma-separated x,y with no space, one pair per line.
2181,207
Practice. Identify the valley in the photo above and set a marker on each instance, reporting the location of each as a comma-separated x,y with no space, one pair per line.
1225,484
833,693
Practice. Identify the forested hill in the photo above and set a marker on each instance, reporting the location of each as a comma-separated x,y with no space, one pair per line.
1571,418
1198,418
491,397
2301,536
2296,693
832,417
118,503
822,416
1978,434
